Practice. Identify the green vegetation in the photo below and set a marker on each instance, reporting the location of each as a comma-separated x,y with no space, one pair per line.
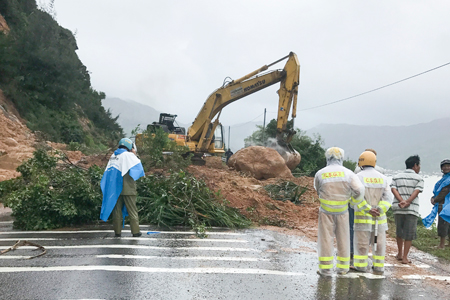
313,155
181,199
427,239
349,164
49,196
152,146
286,190
44,78
52,194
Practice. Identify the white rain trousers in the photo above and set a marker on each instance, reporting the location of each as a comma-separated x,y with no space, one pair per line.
331,226
378,194
336,187
361,244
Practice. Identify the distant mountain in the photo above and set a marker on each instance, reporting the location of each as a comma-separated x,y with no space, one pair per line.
131,113
394,144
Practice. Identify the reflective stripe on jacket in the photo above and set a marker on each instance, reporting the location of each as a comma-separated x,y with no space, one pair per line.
378,194
336,187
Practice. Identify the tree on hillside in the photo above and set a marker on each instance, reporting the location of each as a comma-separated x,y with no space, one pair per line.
313,155
44,78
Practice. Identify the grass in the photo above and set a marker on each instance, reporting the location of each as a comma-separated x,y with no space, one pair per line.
427,239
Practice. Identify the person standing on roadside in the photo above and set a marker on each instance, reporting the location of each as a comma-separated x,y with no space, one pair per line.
406,187
351,211
336,187
370,228
440,199
119,187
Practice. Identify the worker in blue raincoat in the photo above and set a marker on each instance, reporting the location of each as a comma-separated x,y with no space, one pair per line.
119,187
440,200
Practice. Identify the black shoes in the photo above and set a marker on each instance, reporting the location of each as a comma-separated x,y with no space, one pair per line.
117,235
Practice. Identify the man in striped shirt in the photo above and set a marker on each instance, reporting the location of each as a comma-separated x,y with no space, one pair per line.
406,187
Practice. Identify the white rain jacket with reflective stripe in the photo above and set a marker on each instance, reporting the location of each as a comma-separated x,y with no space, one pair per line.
336,187
377,194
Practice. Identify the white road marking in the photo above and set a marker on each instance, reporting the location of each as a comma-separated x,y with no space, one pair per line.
211,258
6,222
147,247
357,275
14,257
149,270
129,238
422,266
111,232
421,277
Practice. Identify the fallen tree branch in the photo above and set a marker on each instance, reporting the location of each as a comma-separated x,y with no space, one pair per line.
20,243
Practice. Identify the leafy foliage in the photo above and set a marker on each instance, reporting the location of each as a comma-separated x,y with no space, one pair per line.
46,81
49,196
156,150
286,190
181,199
349,164
313,155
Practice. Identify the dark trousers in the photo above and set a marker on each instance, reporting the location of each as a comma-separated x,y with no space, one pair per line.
351,221
130,204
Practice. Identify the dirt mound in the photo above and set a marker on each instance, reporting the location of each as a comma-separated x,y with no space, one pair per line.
260,162
249,196
215,162
16,140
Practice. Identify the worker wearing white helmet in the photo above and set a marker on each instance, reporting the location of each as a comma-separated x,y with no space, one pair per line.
370,227
336,187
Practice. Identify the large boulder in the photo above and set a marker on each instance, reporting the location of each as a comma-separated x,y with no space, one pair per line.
292,159
260,162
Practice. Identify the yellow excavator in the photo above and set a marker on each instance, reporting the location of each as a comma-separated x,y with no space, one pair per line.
206,135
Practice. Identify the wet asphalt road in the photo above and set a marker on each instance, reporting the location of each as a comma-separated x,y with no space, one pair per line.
244,264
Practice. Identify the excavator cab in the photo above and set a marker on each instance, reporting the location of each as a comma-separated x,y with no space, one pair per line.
218,138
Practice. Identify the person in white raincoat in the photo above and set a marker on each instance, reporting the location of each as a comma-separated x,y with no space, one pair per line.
378,195
336,187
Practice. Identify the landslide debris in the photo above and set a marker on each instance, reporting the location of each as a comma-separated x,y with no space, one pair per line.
249,196
16,140
260,162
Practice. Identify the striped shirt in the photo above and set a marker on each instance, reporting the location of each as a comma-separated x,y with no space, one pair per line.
405,183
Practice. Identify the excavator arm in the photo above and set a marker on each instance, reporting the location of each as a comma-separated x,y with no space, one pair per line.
202,129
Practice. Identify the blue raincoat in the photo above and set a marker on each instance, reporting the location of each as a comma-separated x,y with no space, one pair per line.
120,163
445,213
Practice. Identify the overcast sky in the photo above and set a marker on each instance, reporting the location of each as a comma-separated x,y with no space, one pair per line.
171,55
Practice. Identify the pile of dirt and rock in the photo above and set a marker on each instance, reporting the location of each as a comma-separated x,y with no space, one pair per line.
260,162
249,196
16,140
